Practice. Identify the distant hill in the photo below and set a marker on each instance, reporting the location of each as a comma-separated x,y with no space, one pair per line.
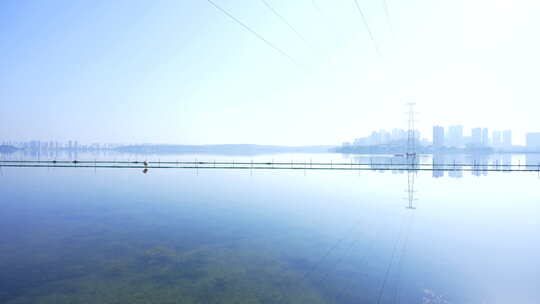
236,149
7,149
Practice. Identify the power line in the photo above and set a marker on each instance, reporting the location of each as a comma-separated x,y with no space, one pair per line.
364,20
285,21
387,13
388,19
270,44
316,6
329,26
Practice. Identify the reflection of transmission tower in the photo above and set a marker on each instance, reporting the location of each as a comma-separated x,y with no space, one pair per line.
410,188
411,156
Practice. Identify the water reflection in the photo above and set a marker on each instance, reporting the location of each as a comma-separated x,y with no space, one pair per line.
532,159
399,251
67,236
453,165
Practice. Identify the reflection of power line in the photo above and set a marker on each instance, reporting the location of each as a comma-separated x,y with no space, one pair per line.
270,44
364,20
411,174
401,258
368,249
329,251
387,273
348,251
340,259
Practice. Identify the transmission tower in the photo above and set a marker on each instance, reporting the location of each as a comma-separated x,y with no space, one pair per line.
411,134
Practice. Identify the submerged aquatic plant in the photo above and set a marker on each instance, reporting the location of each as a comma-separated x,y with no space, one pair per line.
431,297
159,255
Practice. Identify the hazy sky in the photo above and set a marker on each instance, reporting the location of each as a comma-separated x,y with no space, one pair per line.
184,72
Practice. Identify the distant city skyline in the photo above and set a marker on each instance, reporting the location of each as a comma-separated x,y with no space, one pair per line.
449,136
479,136
443,138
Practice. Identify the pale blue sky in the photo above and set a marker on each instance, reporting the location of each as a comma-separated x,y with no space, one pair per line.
183,72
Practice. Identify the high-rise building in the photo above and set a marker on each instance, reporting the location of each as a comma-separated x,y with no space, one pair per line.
476,135
375,138
438,137
455,136
533,140
507,138
361,141
416,134
496,139
385,136
485,137
398,134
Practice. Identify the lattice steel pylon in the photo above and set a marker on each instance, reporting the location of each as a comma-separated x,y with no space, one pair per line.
411,133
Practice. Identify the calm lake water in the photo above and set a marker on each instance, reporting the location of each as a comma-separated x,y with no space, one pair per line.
74,235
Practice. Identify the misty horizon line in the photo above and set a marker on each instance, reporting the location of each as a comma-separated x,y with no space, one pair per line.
89,144
423,136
